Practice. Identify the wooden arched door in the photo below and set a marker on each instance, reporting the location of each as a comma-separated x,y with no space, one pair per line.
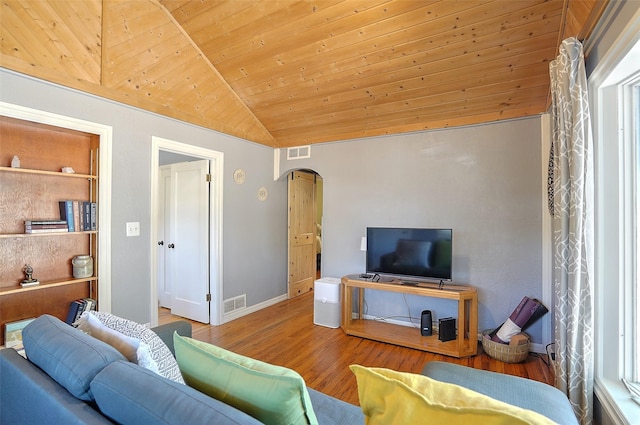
302,232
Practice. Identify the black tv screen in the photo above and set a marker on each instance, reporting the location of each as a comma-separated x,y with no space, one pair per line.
410,252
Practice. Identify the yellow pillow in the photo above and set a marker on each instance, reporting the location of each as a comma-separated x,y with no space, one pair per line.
388,397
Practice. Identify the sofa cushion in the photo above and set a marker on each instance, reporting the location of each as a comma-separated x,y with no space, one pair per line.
390,397
160,353
271,394
69,356
129,394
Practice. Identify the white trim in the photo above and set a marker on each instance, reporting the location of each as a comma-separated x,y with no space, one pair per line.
612,250
215,225
615,401
104,197
276,164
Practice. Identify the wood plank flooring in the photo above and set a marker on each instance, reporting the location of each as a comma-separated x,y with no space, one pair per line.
284,334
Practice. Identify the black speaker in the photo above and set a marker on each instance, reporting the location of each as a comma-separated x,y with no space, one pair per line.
447,329
425,323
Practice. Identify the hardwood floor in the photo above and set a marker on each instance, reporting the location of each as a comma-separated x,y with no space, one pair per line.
284,334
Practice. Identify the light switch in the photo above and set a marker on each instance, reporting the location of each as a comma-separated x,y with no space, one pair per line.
133,228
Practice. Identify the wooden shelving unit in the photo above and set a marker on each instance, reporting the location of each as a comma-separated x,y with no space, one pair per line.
464,345
32,192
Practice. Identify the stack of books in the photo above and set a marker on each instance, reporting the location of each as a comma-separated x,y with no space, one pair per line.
45,226
78,307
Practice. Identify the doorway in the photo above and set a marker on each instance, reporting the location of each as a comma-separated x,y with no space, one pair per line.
183,243
194,289
305,231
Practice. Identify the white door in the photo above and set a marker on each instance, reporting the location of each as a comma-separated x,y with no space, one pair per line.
187,247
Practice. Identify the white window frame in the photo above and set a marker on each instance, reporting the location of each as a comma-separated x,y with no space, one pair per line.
616,326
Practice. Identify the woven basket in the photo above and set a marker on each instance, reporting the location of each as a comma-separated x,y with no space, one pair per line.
504,352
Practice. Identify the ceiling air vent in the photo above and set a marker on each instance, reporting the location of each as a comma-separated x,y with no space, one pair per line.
299,152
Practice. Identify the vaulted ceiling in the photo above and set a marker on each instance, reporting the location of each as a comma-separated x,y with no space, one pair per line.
287,73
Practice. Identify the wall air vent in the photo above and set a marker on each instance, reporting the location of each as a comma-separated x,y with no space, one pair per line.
299,152
236,303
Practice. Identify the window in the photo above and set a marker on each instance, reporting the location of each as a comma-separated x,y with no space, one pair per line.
615,107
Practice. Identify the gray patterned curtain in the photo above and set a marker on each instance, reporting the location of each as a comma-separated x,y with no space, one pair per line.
571,201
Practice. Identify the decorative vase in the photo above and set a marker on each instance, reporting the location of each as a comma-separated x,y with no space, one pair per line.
82,266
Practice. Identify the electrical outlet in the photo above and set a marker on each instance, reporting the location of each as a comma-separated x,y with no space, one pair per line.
133,228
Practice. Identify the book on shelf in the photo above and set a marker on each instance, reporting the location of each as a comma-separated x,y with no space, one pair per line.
94,213
44,222
66,213
47,230
13,335
76,216
79,306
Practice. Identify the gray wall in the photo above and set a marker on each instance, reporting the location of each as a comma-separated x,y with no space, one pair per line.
484,182
251,228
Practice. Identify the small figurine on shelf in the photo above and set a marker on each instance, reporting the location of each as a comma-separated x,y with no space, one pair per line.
29,281
15,162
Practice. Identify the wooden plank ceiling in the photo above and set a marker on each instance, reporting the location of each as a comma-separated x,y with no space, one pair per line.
287,73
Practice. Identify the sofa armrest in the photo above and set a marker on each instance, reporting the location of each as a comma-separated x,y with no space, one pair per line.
521,392
30,396
165,332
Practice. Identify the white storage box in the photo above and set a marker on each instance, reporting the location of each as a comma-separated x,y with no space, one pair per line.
326,307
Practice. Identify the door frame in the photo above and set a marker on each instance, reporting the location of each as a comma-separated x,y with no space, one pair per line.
215,221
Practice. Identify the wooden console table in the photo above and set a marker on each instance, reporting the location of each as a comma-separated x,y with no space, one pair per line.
466,342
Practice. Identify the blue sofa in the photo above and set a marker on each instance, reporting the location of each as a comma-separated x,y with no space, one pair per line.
65,393
31,396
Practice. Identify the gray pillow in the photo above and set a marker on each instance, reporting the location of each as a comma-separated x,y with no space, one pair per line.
67,355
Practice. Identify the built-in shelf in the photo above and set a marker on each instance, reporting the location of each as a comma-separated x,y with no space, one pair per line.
44,285
37,235
34,192
49,173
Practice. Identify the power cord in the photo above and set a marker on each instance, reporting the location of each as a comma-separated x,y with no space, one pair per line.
551,356
384,319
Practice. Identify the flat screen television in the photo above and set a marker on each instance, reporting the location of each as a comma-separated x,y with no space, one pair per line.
410,252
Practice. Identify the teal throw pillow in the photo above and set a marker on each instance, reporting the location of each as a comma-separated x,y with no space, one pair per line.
272,394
